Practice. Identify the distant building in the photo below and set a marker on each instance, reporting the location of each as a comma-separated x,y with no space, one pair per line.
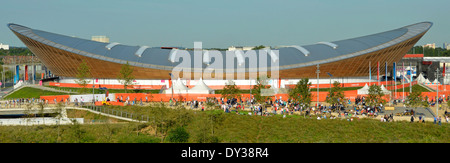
446,46
3,46
433,45
233,48
352,59
100,39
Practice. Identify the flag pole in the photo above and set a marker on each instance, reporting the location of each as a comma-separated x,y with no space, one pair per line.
370,74
403,83
378,72
411,77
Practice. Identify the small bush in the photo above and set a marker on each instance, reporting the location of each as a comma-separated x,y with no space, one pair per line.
178,135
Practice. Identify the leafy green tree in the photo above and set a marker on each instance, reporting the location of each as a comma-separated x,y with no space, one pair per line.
261,83
429,52
126,76
16,51
83,75
165,119
301,92
230,90
178,135
375,96
206,126
336,95
446,53
8,74
258,47
415,99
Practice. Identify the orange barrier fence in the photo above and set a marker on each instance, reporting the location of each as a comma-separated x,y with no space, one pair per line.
59,98
344,84
109,86
98,103
202,97
118,86
441,87
188,97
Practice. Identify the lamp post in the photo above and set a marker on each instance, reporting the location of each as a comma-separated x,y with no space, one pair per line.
318,72
437,92
330,80
410,77
171,80
93,92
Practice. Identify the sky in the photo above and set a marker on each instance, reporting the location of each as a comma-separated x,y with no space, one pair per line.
224,23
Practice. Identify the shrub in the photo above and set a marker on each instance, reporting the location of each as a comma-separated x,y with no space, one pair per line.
178,135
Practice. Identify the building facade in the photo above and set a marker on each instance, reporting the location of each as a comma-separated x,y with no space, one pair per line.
349,58
4,46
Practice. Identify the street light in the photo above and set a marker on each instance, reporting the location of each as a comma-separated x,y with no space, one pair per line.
318,72
437,92
170,74
330,80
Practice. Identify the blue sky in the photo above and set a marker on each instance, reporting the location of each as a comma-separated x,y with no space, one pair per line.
223,23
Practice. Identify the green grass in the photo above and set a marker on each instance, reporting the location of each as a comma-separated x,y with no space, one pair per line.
235,128
328,89
155,91
28,92
216,126
415,88
99,133
98,91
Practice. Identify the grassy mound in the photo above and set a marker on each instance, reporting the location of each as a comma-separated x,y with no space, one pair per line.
28,92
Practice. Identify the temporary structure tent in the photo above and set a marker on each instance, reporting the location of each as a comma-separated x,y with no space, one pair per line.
178,88
201,88
420,78
364,90
384,90
435,81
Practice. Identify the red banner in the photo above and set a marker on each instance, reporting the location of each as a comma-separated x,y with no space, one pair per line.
26,72
378,71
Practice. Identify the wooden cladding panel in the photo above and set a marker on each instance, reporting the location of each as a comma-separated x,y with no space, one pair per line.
64,63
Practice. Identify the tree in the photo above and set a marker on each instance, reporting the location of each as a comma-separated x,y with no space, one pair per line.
301,93
428,51
375,96
205,126
336,95
7,73
230,91
178,135
126,76
261,83
258,47
415,99
83,74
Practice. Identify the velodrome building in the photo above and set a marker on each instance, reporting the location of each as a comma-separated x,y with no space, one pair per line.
347,61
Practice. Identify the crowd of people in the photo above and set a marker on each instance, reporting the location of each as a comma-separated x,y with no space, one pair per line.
21,102
269,107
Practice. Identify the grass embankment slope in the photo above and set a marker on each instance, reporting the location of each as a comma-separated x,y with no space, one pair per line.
28,92
215,126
